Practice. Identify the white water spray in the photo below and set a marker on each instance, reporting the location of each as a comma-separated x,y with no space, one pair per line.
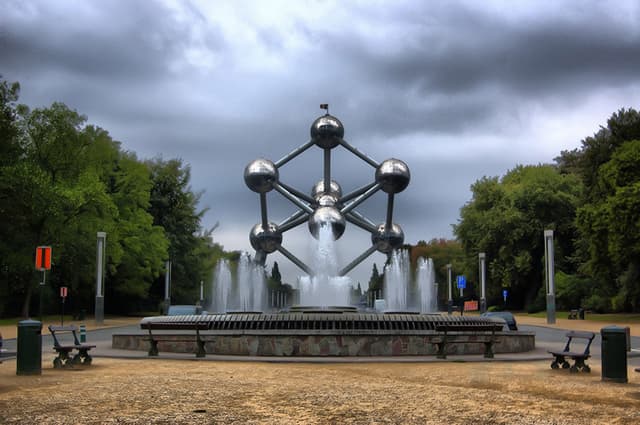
245,294
325,288
396,280
426,282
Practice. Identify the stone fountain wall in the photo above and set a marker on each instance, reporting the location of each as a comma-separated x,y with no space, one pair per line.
324,343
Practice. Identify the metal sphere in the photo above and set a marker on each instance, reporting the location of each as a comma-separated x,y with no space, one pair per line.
393,175
334,190
268,240
260,175
385,240
327,131
327,201
327,216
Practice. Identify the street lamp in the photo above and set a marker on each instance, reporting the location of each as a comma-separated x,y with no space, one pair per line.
100,262
483,284
450,302
167,285
550,278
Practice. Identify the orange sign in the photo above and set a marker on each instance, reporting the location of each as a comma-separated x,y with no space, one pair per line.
43,258
470,305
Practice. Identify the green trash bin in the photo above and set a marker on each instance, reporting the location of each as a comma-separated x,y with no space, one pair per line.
614,354
29,355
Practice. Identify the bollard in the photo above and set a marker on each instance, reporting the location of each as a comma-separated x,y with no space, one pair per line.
83,333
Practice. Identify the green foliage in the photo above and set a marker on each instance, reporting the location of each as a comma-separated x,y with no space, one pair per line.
174,207
376,279
506,219
571,290
608,219
61,181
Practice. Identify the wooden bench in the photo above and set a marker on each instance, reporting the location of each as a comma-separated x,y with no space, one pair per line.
560,357
484,333
194,326
64,350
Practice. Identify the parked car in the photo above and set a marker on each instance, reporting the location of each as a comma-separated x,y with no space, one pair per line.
180,310
506,316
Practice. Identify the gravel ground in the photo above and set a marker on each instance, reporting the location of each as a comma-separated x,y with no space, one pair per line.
156,391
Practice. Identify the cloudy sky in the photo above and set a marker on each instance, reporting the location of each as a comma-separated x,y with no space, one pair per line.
458,90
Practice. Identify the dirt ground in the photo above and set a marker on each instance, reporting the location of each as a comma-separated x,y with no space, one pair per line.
156,391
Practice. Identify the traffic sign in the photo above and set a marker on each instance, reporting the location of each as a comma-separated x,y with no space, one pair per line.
462,282
43,258
504,294
63,292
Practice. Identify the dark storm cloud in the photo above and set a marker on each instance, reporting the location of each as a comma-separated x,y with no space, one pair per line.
106,40
449,87
452,68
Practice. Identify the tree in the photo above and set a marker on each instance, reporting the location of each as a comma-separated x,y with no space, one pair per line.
506,219
174,206
275,273
607,165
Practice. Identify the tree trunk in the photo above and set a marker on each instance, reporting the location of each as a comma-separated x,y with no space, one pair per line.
27,302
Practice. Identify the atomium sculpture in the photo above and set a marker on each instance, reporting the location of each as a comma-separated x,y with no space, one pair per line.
326,205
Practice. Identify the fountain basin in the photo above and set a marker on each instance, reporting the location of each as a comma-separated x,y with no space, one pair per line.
315,333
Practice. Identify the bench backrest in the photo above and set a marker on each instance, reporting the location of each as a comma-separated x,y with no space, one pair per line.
579,335
63,329
484,327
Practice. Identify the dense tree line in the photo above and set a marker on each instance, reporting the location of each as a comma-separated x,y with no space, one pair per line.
590,198
61,181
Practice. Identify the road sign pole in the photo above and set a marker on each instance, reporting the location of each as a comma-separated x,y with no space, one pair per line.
44,278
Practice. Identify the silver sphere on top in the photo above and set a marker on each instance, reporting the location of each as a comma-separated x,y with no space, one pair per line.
334,190
267,240
385,240
327,216
260,175
393,175
327,131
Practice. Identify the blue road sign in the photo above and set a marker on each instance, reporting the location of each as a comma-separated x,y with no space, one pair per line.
504,294
462,282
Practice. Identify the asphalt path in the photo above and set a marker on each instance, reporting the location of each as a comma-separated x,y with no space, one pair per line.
546,338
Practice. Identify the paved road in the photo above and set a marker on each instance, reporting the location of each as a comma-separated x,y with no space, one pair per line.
546,338
94,336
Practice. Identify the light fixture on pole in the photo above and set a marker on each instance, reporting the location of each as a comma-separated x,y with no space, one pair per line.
550,276
167,285
450,300
483,280
100,263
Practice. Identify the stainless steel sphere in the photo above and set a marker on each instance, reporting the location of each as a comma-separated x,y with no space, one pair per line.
260,175
327,216
267,240
327,201
393,175
327,131
334,190
385,240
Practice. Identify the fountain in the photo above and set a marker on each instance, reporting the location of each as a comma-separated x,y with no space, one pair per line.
426,282
246,293
396,280
324,324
